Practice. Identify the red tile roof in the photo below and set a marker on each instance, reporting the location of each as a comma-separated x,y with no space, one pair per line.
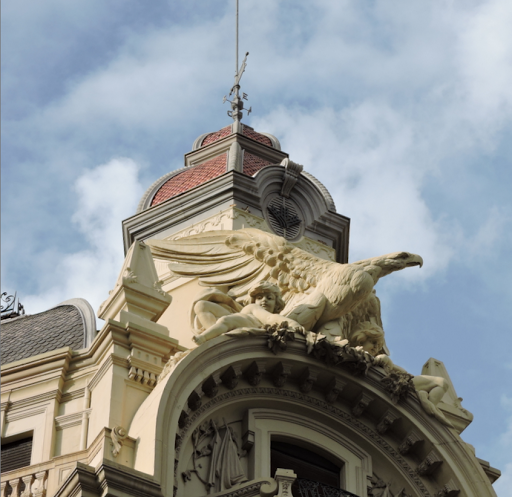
213,137
196,175
249,132
253,163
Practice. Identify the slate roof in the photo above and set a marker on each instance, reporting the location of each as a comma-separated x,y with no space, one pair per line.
27,336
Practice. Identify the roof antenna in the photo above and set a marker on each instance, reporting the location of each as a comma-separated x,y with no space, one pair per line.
237,103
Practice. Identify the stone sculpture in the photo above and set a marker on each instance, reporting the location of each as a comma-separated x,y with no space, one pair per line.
262,310
322,296
430,389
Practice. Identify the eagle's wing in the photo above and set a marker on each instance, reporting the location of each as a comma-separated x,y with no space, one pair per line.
241,258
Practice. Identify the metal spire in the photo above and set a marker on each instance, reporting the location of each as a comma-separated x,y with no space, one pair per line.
237,103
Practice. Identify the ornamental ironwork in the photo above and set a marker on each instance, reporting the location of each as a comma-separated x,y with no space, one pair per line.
11,307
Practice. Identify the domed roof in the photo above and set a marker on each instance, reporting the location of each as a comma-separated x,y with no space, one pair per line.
210,158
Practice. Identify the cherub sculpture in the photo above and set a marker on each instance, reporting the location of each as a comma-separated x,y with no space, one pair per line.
263,308
322,296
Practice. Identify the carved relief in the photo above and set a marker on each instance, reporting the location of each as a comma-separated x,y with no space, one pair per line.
409,442
118,435
219,445
318,404
380,488
429,464
398,385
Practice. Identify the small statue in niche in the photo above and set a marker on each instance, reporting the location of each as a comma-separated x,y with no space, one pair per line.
264,304
430,389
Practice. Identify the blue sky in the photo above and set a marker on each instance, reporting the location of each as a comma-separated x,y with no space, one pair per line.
403,109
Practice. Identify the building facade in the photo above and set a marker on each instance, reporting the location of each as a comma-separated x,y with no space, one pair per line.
160,402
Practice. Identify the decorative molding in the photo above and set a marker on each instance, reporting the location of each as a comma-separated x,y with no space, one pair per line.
215,222
211,386
333,389
100,373
307,379
292,172
75,394
230,377
254,373
449,489
409,442
429,464
309,401
361,404
280,374
118,436
194,399
386,421
143,376
69,420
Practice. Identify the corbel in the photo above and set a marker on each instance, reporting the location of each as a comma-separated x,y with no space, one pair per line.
254,372
386,421
230,377
429,464
280,373
307,379
409,443
333,390
361,404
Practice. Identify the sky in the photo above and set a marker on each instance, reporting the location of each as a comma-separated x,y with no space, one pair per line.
403,109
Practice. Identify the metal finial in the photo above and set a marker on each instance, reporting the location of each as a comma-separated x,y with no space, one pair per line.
237,103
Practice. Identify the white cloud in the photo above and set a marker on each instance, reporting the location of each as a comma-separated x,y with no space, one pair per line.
106,195
365,155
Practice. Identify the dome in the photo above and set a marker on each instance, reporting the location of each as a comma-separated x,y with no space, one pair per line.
212,155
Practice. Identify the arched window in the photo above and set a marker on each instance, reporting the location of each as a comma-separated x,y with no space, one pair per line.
305,463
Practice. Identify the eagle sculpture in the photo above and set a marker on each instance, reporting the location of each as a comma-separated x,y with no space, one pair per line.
323,296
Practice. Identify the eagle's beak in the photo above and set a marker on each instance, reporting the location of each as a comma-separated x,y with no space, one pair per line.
416,260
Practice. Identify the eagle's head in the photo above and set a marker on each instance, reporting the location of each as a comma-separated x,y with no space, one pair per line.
389,263
397,261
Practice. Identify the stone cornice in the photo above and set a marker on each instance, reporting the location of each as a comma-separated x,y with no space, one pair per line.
50,364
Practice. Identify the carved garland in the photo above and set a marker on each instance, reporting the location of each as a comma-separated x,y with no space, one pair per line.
311,401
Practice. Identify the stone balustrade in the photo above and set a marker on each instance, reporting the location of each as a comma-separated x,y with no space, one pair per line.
29,485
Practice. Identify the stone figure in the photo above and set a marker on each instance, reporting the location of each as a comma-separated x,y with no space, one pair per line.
430,389
322,296
265,302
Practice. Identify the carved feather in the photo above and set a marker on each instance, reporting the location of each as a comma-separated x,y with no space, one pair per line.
316,291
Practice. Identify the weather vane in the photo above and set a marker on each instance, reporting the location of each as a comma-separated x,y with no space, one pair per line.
237,103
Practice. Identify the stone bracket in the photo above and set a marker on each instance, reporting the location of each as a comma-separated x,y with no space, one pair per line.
292,172
254,372
361,404
386,421
307,379
280,373
210,386
410,441
230,377
429,464
449,489
333,390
